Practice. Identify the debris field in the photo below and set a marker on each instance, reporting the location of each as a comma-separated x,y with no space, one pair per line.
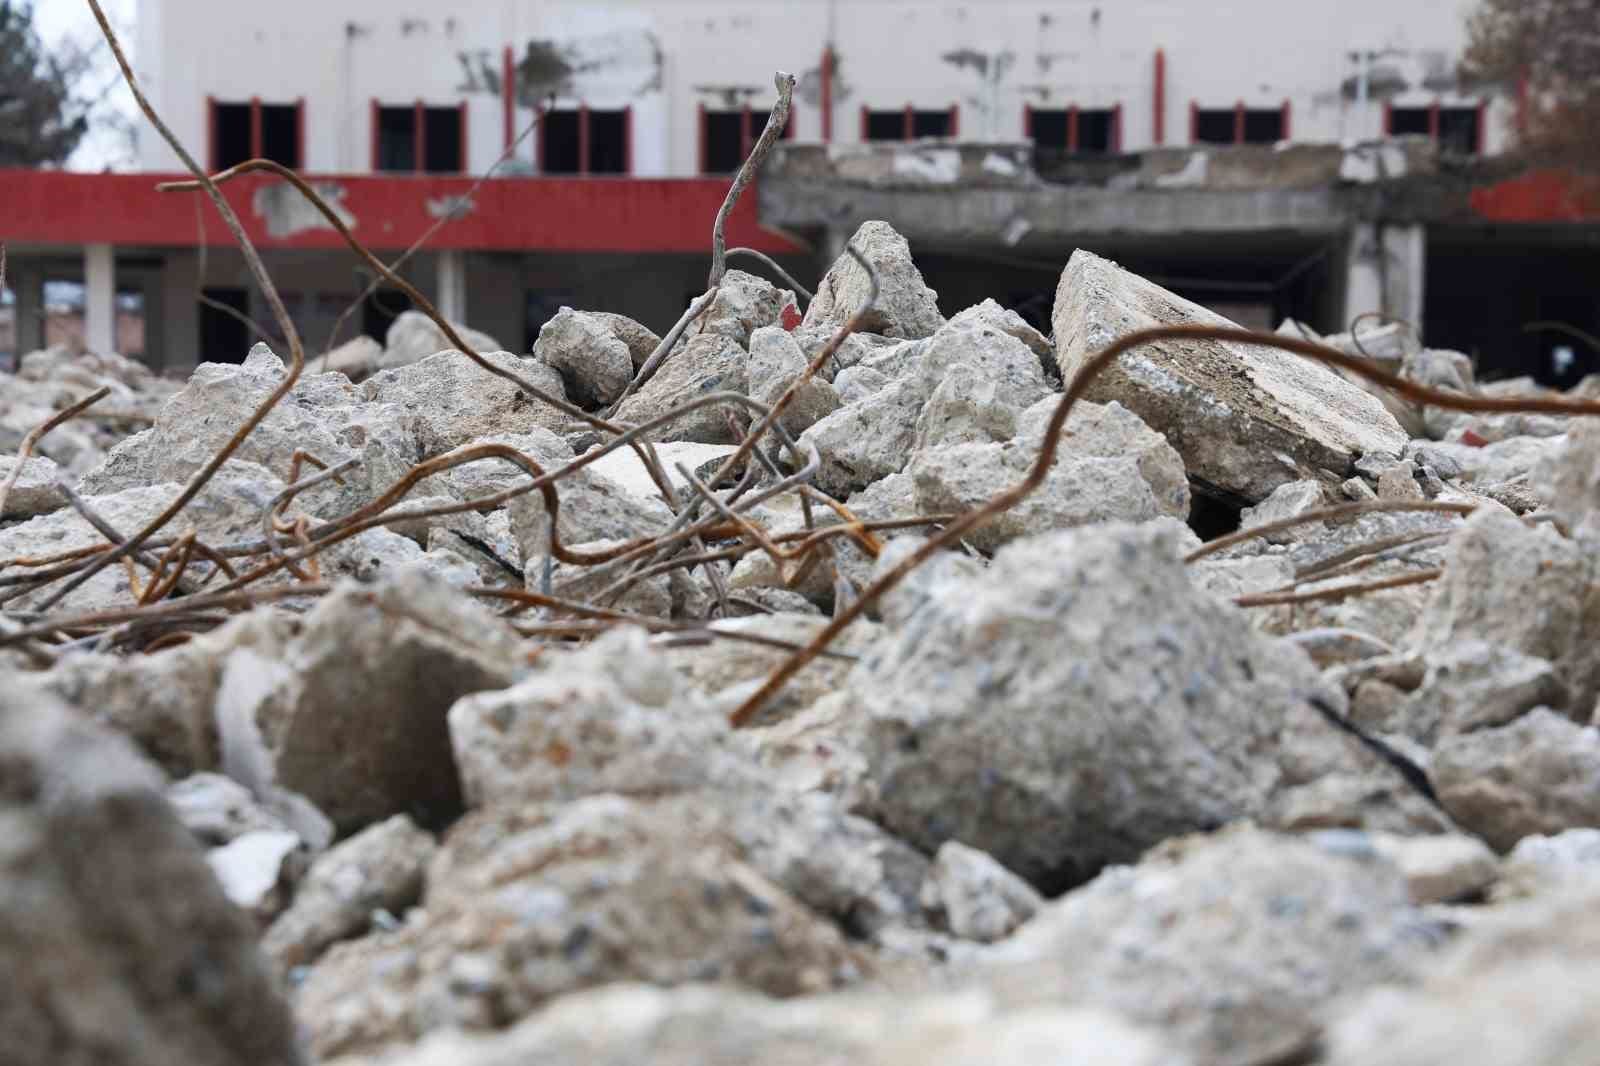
824,681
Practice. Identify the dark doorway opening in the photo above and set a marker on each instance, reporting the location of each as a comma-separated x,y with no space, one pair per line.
380,311
280,134
1214,125
1510,301
230,134
224,338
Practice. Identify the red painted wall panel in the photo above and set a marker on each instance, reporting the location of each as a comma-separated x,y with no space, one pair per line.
391,211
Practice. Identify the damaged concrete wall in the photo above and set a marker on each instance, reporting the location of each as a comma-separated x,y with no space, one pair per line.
989,58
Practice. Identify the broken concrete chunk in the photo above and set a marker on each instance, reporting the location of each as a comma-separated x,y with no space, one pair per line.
1528,589
524,904
380,868
1232,943
744,303
218,809
975,897
36,490
356,358
593,507
448,400
1546,865
641,341
609,718
1440,869
775,362
117,945
355,720
594,363
1078,658
992,314
413,336
906,307
709,362
1109,467
1245,419
1534,776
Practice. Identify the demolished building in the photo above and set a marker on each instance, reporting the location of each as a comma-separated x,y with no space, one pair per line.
1314,161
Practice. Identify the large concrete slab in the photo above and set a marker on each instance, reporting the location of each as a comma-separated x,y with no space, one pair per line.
1246,419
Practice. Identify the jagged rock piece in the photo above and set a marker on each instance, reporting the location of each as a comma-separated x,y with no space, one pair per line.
524,904
1110,467
117,945
380,868
906,307
593,361
1245,419
1534,776
1524,588
1231,944
709,362
413,336
355,718
218,809
35,491
975,897
641,341
775,362
609,718
744,303
446,400
1078,659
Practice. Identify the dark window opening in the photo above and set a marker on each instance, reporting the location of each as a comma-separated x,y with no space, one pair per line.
224,338
280,134
558,142
230,135
1263,125
1458,130
581,141
885,126
397,139
930,124
608,142
1097,131
724,142
1404,120
441,140
241,131
380,311
1049,128
1214,125
728,137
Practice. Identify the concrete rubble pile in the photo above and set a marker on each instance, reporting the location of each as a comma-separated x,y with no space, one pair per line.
459,789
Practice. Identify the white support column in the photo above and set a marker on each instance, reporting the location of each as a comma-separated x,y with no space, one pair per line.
100,298
1387,275
453,285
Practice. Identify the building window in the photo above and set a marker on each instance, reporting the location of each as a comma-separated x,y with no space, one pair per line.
1091,131
584,140
726,137
254,130
1456,130
1238,124
414,138
908,124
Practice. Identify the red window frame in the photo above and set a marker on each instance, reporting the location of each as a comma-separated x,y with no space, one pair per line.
906,133
419,134
748,132
1072,125
299,106
1239,110
1436,106
583,141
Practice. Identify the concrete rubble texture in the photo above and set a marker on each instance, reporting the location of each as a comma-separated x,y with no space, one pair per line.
117,945
1054,797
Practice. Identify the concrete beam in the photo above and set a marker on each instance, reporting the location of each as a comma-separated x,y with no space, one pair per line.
180,325
100,298
1051,214
1385,271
